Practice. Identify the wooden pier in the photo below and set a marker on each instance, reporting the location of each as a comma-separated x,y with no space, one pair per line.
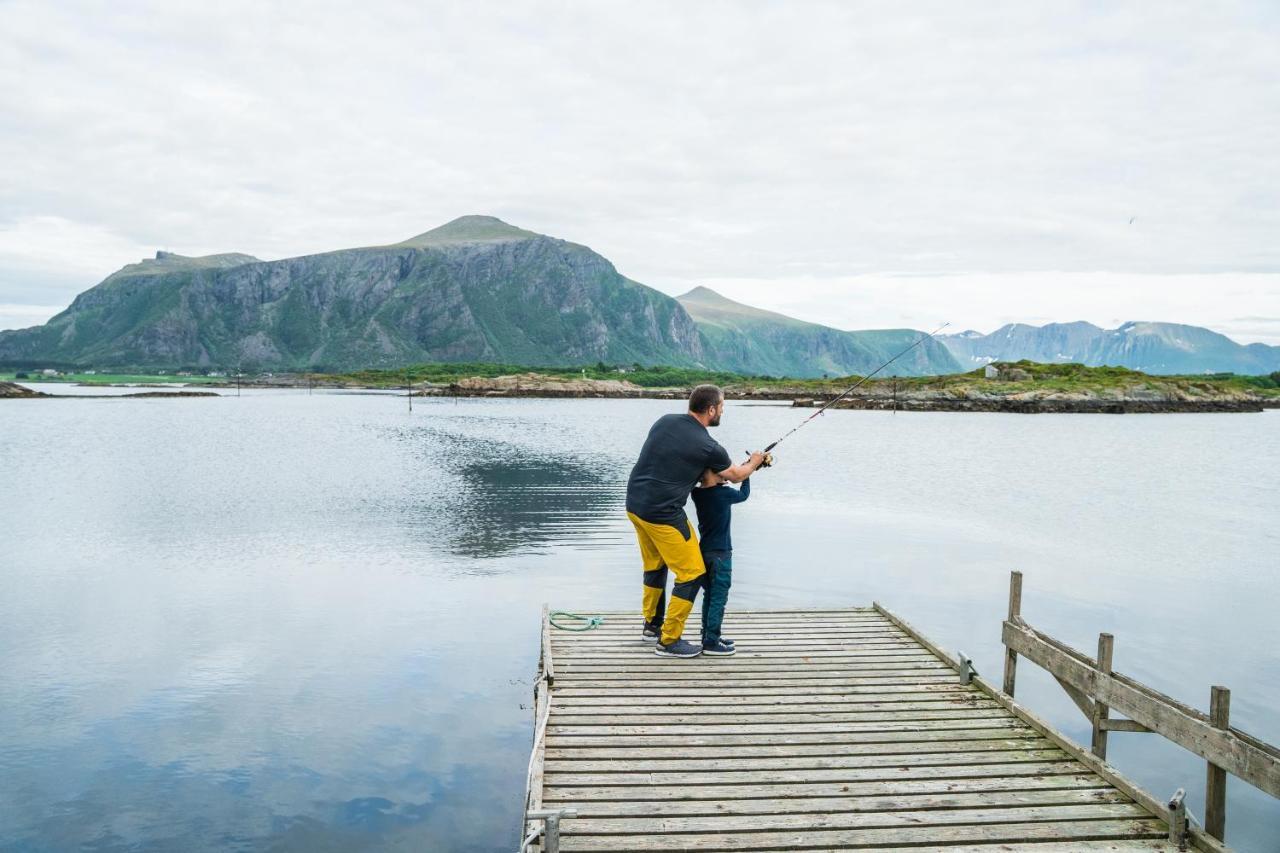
830,729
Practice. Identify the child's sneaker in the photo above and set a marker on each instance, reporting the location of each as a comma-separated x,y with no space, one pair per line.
719,647
677,649
649,633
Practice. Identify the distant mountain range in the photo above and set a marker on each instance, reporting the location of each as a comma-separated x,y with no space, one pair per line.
475,289
478,289
1162,348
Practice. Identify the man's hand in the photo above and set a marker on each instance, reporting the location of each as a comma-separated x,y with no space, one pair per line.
755,461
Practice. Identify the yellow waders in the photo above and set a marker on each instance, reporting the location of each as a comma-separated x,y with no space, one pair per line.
661,547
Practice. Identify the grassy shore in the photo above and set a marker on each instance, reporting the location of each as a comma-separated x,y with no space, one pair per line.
1017,377
1062,378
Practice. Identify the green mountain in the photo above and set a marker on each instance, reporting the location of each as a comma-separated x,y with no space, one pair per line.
1161,348
475,289
749,340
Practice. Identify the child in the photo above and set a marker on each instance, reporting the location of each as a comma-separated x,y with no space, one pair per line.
714,502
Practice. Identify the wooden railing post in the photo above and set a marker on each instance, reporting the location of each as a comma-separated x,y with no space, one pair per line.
1215,791
1106,645
1015,611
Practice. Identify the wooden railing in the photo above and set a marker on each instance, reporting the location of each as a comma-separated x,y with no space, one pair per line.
1097,690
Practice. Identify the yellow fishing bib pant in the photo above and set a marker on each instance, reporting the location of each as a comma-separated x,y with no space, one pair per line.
661,547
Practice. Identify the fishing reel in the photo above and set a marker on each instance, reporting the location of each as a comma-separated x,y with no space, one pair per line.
767,462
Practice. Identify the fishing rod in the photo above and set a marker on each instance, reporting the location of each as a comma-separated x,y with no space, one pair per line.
855,385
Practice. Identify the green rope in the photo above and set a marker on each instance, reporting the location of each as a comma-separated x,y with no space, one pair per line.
591,621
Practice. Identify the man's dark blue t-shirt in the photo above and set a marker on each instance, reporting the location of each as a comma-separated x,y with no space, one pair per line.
672,460
715,509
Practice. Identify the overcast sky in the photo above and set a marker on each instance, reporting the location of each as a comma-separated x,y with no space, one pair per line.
861,165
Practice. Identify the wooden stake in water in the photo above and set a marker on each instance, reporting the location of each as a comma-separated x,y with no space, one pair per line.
408,390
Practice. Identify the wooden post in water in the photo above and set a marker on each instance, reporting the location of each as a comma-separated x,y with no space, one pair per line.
408,390
1015,612
1215,791
1106,645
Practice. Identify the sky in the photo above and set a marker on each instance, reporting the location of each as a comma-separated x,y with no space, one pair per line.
863,165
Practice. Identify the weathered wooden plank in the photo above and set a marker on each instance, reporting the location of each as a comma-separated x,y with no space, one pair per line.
734,688
731,764
825,755
1110,724
912,732
753,713
1111,845
898,770
541,714
895,788
735,665
644,755
638,650
846,804
717,696
632,632
575,686
1220,747
813,821
914,836
707,717
1101,713
667,668
744,644
1215,794
809,724
567,672
779,658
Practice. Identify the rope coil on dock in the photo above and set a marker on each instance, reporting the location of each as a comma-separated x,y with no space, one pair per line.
590,621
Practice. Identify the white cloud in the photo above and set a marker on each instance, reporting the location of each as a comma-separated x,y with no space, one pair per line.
785,142
21,315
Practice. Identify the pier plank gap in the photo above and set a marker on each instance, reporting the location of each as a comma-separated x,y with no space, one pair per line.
829,730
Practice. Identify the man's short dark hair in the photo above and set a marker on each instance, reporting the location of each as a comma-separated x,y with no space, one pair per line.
704,397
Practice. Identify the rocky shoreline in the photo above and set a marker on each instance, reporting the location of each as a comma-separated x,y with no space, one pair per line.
1048,406
1022,398
13,391
1133,400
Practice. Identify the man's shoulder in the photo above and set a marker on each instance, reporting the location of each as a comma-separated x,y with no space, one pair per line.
676,421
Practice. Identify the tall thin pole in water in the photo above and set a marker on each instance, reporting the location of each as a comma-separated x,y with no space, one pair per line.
408,390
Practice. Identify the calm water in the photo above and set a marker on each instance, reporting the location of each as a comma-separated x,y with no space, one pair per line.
299,623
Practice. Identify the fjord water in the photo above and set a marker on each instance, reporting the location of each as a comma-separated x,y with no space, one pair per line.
310,622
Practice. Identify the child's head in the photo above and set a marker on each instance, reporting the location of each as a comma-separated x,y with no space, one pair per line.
711,478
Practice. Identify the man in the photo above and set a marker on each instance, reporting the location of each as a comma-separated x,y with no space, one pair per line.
675,454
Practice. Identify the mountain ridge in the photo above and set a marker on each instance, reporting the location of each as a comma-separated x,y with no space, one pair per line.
1152,347
479,289
746,339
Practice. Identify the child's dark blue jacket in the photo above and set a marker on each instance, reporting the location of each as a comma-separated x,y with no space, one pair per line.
714,507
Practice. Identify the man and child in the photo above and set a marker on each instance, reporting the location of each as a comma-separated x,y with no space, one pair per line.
678,455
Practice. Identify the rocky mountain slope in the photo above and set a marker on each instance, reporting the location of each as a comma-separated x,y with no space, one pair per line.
475,289
1160,348
744,339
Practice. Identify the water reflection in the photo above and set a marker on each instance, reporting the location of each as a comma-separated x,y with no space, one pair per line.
488,497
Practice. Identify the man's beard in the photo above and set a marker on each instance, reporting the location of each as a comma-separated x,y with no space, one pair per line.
715,421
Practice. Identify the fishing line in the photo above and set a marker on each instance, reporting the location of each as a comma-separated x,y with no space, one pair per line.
854,386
